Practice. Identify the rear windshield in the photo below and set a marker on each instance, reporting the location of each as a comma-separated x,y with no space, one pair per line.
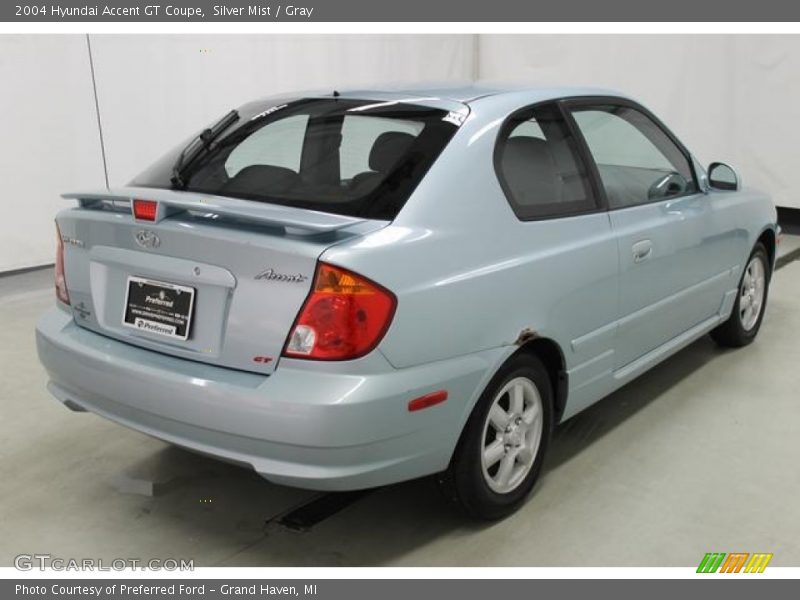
350,157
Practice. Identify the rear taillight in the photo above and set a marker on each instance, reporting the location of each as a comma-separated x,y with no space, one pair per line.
61,282
145,210
344,317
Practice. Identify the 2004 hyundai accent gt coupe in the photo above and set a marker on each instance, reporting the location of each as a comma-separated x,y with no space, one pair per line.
347,290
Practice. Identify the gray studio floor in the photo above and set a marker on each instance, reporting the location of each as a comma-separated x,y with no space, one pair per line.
699,455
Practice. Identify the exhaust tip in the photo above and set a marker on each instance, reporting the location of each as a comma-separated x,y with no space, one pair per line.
73,406
62,396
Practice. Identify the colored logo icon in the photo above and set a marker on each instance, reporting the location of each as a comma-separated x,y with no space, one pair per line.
735,562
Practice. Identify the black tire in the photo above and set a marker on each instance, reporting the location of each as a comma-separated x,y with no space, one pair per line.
732,333
464,483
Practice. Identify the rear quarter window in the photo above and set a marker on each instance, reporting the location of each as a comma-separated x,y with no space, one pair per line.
538,166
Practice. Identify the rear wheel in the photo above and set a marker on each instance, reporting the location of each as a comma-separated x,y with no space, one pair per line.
751,300
502,448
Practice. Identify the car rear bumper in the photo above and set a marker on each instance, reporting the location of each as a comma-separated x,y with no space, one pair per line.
305,425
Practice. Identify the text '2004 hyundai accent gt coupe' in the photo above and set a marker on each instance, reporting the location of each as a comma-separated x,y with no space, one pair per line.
348,290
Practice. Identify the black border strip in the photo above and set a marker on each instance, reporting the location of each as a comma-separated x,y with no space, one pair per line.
789,219
787,258
303,517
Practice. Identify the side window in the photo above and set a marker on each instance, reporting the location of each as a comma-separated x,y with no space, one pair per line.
359,134
637,161
279,144
537,163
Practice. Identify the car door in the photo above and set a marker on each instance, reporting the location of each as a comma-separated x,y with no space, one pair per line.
671,275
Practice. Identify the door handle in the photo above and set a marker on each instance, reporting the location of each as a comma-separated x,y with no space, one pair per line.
642,250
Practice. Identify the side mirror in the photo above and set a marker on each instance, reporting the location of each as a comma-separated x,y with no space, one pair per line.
722,177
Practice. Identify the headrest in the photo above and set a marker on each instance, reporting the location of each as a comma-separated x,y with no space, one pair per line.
530,170
256,179
527,149
388,149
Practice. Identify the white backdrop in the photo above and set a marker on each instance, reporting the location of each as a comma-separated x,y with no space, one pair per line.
733,98
49,141
727,97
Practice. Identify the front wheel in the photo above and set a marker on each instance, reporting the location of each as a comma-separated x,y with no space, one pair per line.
501,450
751,300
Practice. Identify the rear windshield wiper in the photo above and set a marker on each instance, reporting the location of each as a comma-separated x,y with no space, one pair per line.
193,150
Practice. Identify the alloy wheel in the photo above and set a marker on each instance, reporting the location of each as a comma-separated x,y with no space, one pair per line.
511,435
751,294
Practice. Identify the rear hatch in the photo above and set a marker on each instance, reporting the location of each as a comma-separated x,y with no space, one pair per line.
213,279
217,264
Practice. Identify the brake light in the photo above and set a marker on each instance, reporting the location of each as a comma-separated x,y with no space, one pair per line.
61,282
145,210
343,318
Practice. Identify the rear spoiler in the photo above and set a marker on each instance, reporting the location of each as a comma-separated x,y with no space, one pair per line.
172,202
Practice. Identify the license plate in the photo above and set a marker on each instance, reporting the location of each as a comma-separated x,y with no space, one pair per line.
160,308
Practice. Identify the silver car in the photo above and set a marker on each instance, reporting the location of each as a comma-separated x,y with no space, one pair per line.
347,290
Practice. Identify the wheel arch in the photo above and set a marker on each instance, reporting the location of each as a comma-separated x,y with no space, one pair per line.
769,240
549,352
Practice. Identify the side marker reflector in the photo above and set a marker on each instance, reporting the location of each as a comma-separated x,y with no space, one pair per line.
427,400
